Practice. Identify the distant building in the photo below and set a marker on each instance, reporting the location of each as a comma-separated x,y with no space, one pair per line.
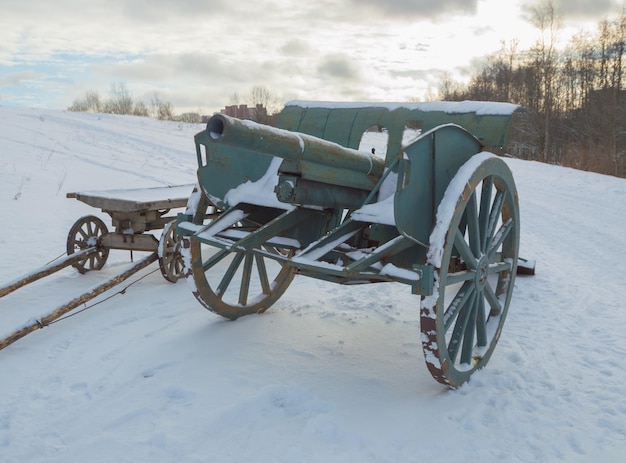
242,111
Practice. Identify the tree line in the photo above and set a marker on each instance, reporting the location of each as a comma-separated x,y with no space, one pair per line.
121,101
574,96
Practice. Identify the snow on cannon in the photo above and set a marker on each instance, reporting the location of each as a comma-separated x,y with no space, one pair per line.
436,212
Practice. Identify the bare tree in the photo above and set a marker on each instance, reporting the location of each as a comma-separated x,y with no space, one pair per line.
140,109
90,101
234,99
261,96
574,99
120,101
547,19
78,105
162,110
93,101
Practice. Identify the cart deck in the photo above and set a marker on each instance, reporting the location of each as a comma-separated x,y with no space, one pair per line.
133,211
136,199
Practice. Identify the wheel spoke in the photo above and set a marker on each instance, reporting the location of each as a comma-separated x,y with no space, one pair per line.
473,228
499,267
215,259
492,299
84,234
481,323
245,279
468,336
229,274
458,277
485,201
494,215
457,304
265,282
499,237
459,328
464,250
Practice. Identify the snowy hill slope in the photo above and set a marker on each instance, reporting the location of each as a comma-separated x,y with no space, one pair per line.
329,373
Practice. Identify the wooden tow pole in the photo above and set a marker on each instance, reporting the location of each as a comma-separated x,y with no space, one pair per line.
62,310
46,270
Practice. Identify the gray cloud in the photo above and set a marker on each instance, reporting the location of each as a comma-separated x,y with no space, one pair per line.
194,67
19,78
418,74
166,10
586,8
338,66
575,9
192,80
419,8
295,47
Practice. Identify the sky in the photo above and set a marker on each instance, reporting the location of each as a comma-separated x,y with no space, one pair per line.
197,54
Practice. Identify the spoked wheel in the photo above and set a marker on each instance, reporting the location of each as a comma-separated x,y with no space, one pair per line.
237,283
85,233
170,258
474,249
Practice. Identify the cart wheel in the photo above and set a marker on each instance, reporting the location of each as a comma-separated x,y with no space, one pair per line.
474,249
170,259
238,283
86,232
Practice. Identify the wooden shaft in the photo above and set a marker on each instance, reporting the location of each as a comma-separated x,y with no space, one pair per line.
45,271
62,310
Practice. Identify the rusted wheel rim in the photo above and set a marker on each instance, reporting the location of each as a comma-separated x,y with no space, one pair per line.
88,232
237,283
170,258
474,277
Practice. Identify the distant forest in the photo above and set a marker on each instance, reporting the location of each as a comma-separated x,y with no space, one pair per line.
574,96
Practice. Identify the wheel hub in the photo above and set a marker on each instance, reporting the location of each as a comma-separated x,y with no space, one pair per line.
482,272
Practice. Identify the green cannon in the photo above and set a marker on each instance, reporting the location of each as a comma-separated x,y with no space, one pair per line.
356,193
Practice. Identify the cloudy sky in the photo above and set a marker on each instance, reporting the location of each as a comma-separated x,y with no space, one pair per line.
197,53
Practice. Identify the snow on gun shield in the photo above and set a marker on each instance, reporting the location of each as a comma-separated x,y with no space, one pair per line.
438,213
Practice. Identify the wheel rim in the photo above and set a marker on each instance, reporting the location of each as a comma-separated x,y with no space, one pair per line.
170,258
88,232
233,284
462,321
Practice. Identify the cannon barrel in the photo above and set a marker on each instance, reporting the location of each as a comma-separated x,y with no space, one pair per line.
291,146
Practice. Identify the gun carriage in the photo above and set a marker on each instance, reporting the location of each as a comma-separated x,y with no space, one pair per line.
438,213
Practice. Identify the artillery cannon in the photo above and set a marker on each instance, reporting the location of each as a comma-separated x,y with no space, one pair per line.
439,214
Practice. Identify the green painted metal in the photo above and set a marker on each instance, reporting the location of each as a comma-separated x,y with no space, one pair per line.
224,166
338,122
433,161
302,197
321,167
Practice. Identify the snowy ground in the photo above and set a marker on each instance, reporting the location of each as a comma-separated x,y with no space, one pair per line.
329,373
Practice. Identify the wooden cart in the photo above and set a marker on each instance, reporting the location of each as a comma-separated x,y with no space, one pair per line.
133,212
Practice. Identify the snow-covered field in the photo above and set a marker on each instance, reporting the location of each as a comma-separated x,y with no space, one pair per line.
329,373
